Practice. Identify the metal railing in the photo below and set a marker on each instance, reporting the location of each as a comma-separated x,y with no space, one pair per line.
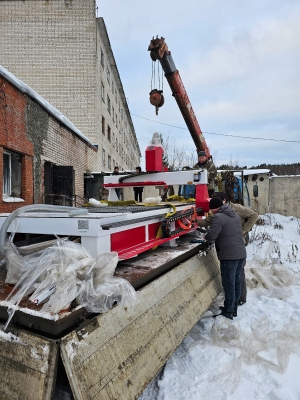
63,200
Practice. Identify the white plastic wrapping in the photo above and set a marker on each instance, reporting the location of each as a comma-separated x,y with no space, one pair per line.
153,200
56,276
100,289
156,140
97,203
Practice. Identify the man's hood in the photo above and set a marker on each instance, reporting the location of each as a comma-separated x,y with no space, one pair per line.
226,209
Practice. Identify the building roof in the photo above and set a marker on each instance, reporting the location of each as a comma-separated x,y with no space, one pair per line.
256,171
249,171
44,103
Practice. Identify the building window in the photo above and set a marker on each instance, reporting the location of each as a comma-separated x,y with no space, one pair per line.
108,74
113,139
112,88
117,146
102,58
102,92
103,157
12,174
109,162
108,133
103,125
108,103
116,120
113,114
7,173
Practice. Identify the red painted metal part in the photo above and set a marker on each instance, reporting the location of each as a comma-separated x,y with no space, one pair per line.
187,111
154,156
202,197
133,251
132,242
127,239
145,183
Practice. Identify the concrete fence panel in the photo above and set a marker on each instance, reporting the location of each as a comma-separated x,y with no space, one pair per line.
284,195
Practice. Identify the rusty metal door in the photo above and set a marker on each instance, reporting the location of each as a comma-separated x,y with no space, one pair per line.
63,184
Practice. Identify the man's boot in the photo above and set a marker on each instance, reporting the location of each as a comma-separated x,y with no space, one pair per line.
226,314
234,314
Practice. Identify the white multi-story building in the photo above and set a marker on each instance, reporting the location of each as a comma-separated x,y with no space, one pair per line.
61,50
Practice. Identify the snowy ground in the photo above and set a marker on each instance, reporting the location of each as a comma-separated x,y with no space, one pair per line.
257,355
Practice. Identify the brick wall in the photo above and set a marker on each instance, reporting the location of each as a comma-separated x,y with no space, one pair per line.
55,46
64,148
30,130
50,45
13,137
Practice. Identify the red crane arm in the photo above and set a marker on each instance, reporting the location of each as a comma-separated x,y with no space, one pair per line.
159,51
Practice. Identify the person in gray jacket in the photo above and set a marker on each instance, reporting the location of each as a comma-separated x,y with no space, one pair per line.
248,218
226,230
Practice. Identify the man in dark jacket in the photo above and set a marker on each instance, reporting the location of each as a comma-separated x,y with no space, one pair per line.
226,231
248,218
138,190
117,190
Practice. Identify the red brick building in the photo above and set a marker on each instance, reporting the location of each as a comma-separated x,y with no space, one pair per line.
43,156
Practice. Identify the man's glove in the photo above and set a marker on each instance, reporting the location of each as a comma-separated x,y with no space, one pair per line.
246,238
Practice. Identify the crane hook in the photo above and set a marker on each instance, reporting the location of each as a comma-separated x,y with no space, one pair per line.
156,99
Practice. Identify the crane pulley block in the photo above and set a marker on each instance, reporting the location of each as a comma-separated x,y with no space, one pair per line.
156,99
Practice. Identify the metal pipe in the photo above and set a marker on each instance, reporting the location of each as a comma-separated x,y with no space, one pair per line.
72,211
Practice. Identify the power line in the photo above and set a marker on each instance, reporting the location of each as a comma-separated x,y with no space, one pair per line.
221,134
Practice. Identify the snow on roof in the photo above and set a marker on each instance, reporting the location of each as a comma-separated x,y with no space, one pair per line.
39,99
284,176
249,171
110,172
256,171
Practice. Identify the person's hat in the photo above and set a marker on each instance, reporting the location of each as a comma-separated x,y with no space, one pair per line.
215,202
222,196
201,154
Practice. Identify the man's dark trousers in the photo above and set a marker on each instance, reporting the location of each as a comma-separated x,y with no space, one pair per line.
231,282
243,297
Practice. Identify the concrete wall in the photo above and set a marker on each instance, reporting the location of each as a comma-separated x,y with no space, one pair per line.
276,194
285,195
260,203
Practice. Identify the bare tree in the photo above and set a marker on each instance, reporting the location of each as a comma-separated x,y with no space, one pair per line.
177,156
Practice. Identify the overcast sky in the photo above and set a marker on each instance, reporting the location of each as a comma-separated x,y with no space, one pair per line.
239,62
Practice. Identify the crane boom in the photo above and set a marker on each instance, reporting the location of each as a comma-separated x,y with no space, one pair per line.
159,51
